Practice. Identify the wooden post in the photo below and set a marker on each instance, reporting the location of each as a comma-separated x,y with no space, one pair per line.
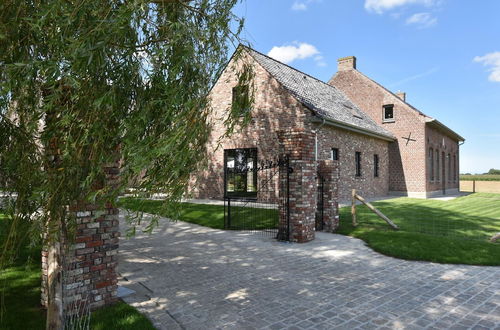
473,186
495,237
377,212
353,208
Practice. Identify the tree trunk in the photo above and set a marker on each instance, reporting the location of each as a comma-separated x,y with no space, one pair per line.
54,288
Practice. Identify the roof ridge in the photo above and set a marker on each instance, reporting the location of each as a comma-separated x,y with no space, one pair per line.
310,100
291,67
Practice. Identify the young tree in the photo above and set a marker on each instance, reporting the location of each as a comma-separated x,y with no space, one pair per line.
100,79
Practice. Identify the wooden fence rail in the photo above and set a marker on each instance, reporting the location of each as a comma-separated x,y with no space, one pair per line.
371,207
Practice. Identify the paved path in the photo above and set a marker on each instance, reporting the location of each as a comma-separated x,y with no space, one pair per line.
192,277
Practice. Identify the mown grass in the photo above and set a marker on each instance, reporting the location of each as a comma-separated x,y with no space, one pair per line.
480,177
207,215
455,231
20,283
119,316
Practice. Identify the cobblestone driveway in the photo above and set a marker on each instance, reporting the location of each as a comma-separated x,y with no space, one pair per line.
192,277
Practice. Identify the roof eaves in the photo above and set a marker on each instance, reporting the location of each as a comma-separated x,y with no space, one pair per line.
446,129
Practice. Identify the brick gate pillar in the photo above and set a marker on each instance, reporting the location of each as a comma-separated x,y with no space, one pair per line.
299,146
89,264
329,170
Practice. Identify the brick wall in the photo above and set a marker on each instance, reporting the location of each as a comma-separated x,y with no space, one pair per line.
90,263
407,160
348,143
274,110
441,143
329,171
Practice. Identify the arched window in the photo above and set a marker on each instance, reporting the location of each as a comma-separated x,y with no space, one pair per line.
437,166
455,168
448,158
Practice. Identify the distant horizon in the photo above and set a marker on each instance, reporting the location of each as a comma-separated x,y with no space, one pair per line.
485,173
449,70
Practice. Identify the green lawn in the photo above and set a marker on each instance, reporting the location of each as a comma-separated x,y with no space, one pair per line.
119,316
207,215
20,295
20,287
455,231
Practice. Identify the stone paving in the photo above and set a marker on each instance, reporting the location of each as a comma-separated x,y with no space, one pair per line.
191,277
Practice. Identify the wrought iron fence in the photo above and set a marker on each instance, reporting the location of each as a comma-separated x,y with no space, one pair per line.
267,210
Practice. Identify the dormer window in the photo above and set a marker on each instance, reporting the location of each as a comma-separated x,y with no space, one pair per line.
388,112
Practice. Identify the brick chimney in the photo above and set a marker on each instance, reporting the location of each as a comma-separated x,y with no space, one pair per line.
401,95
346,63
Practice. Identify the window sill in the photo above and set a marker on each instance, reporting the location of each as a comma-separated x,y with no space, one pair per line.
387,121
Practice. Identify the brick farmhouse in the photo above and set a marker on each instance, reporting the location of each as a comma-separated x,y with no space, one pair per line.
381,145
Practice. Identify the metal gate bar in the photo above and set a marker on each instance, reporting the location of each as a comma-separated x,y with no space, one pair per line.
268,213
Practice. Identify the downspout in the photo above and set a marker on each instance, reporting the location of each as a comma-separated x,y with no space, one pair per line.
316,139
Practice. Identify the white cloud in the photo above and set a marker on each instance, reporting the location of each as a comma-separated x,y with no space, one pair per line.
379,6
297,51
491,60
422,20
414,77
299,6
320,60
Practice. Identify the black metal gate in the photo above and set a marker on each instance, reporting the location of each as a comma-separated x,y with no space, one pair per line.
264,210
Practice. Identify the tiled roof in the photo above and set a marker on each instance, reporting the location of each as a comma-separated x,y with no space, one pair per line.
326,101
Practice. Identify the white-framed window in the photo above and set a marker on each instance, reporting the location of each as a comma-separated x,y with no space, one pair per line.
240,174
388,113
335,154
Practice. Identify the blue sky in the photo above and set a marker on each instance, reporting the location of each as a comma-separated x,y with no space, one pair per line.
445,54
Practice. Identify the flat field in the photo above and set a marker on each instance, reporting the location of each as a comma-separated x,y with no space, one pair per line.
480,177
480,186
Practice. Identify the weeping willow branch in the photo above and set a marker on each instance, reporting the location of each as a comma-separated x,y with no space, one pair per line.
97,77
